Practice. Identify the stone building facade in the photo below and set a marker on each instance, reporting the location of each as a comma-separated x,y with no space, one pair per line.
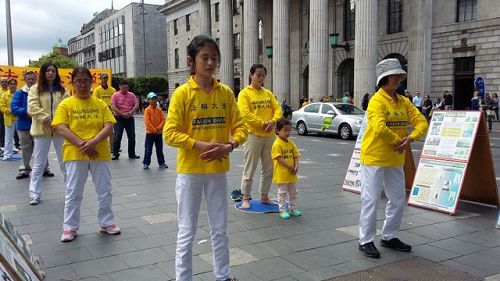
443,44
130,41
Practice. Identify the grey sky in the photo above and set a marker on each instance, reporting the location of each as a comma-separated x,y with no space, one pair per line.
37,24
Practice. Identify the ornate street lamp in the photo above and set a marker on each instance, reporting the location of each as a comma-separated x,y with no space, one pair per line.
334,39
269,52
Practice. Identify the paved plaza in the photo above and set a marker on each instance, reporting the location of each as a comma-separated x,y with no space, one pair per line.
321,244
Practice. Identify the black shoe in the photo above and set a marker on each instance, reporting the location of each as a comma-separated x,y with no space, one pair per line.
48,174
395,244
369,250
115,157
22,176
134,156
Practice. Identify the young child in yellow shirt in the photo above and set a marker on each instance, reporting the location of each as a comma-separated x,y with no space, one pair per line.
286,164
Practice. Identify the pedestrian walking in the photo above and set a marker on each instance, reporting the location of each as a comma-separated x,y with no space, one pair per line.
475,102
85,122
383,156
427,107
105,92
496,104
260,110
124,104
19,108
364,102
205,124
43,100
9,120
4,89
448,100
154,120
417,101
286,165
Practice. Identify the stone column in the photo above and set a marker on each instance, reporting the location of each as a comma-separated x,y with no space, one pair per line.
281,49
205,17
318,49
419,53
365,50
250,38
226,43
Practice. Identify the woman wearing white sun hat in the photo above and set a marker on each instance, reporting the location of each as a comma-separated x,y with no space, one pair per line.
383,157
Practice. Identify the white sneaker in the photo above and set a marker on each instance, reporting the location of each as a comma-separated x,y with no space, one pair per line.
111,230
68,235
15,150
35,201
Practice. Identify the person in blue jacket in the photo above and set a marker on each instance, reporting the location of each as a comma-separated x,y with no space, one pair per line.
19,107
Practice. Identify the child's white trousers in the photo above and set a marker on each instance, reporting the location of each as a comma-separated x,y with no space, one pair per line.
189,190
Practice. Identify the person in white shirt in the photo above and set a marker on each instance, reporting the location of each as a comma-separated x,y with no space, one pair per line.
417,101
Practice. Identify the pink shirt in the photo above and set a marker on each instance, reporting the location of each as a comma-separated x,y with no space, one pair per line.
124,102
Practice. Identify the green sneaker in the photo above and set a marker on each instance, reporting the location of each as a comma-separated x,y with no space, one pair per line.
296,213
285,215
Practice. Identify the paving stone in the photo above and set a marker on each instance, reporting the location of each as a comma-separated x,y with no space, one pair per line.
433,253
314,259
145,273
457,246
111,248
145,257
236,257
98,266
273,268
160,218
486,238
66,257
487,264
64,272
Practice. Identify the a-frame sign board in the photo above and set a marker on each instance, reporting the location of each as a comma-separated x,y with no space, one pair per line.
352,180
456,163
17,261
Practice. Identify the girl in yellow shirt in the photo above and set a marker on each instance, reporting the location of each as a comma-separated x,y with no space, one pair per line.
204,123
86,123
286,164
260,110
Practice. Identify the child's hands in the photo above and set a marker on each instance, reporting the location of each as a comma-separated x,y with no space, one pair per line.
268,126
218,151
291,169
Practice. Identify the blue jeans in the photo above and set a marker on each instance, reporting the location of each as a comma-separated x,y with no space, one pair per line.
148,148
129,126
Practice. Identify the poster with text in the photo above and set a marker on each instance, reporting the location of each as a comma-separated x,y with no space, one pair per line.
11,233
451,135
5,275
361,133
15,260
437,185
352,181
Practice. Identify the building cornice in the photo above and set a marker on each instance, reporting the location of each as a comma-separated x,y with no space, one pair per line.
175,5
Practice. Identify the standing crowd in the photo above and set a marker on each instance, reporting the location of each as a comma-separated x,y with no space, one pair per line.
206,123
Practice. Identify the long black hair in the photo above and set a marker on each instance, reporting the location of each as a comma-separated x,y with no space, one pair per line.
43,83
253,69
195,46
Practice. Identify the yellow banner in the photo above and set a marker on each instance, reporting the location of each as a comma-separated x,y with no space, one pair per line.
65,74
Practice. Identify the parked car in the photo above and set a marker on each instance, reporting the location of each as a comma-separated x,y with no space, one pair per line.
343,119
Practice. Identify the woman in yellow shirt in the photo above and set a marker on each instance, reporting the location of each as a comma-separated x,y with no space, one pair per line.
383,156
9,119
260,110
86,123
204,123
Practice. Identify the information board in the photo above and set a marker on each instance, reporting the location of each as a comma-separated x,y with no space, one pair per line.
456,163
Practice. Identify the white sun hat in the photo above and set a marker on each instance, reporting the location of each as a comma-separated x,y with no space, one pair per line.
389,67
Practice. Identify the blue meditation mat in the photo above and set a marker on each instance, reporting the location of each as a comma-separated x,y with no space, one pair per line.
257,207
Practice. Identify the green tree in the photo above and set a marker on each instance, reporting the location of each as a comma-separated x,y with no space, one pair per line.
61,61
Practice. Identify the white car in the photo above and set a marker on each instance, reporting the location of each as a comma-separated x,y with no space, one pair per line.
343,119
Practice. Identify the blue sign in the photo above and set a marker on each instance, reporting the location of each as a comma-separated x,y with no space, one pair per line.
480,86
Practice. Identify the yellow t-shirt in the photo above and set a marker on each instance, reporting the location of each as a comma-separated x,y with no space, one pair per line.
387,125
288,151
257,107
194,115
104,94
86,118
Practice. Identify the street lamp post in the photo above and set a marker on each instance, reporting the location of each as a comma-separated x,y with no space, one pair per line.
10,49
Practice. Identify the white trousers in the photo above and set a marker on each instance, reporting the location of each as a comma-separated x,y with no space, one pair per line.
287,190
257,149
372,180
189,190
77,176
40,157
9,140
